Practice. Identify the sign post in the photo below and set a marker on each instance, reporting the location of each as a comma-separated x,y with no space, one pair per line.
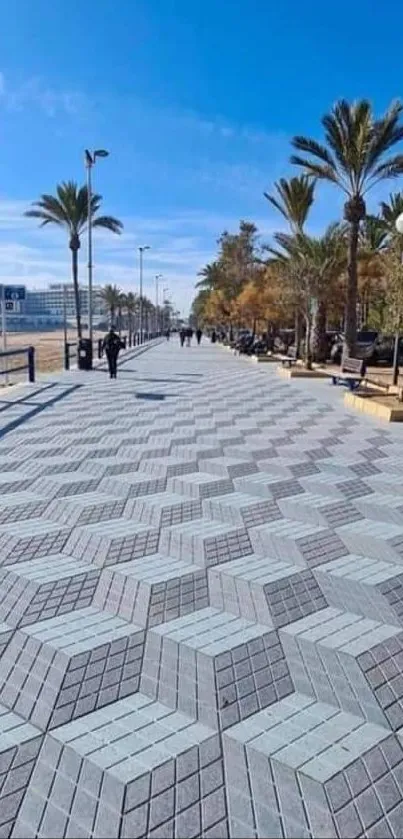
4,328
8,295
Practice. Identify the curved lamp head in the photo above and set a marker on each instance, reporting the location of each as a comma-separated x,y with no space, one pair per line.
101,153
399,223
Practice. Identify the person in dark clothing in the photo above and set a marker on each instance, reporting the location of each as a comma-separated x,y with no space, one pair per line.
199,334
213,336
182,336
189,336
168,334
112,346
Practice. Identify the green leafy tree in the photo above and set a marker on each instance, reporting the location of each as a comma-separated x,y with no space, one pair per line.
354,158
69,209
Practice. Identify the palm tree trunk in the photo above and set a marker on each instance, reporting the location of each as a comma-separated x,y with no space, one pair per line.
308,355
319,349
350,327
298,332
74,269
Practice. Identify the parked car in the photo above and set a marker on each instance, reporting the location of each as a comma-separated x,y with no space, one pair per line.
283,340
373,346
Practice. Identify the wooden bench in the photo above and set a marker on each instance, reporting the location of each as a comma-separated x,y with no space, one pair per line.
290,359
352,372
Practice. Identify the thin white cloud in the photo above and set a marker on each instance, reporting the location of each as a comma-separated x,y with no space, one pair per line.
37,93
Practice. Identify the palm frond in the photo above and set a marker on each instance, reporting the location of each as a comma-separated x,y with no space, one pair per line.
108,223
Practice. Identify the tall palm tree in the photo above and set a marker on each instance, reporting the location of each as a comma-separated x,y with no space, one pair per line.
131,308
354,158
294,200
111,295
69,209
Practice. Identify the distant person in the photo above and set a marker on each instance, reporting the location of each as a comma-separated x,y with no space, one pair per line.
182,336
189,336
213,336
168,334
199,334
112,346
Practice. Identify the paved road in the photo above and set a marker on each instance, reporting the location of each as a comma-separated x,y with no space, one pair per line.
201,611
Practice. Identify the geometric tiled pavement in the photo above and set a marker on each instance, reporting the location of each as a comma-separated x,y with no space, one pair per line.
201,605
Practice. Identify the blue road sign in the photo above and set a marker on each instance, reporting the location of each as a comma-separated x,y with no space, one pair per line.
14,292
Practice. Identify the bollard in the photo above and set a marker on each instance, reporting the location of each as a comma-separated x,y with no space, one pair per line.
31,364
66,356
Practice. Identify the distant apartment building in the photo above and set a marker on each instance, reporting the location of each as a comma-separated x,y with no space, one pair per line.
45,308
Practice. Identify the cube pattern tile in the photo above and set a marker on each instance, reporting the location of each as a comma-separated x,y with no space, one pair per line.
201,605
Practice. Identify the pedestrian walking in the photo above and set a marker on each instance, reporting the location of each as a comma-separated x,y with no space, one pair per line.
168,334
182,336
112,346
189,336
213,336
199,334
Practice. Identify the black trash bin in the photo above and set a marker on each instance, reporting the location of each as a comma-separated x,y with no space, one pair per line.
123,341
85,354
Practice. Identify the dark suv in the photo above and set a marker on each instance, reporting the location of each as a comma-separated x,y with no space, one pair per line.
371,345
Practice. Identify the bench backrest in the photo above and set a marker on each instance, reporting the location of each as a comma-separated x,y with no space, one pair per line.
353,365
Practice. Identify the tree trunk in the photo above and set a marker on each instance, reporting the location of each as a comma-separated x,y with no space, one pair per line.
74,269
350,327
319,345
298,332
112,314
308,355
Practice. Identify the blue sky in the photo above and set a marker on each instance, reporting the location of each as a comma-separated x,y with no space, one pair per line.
196,102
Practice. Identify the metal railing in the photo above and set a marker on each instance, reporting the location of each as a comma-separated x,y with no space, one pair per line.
29,352
129,341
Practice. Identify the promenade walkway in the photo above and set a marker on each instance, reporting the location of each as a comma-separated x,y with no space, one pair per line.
201,605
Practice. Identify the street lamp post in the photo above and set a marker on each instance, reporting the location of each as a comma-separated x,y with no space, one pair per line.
141,251
90,160
399,228
165,302
158,277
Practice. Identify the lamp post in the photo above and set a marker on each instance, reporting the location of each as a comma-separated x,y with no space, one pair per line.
90,160
158,277
399,228
141,251
165,303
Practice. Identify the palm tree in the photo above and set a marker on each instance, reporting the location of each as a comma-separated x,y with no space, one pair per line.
311,266
69,209
211,274
392,210
355,158
131,308
110,295
294,200
373,240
